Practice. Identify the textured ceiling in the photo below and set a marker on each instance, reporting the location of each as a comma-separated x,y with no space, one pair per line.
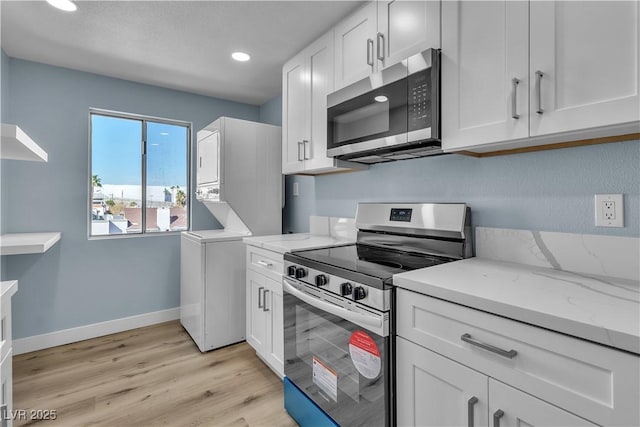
184,45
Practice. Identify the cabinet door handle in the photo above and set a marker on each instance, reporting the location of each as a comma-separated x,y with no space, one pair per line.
539,75
514,98
504,353
470,404
260,304
304,145
300,158
200,162
265,264
370,52
264,300
496,417
380,46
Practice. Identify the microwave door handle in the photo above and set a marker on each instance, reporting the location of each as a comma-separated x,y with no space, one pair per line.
343,313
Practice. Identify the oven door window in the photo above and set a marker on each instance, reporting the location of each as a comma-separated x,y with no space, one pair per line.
339,365
377,114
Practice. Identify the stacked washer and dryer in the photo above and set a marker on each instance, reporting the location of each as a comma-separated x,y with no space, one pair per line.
239,179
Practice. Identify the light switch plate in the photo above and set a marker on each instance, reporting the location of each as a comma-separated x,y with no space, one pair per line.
296,189
609,210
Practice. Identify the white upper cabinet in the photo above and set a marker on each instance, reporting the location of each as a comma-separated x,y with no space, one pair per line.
406,28
484,48
584,65
307,79
381,34
355,39
294,102
519,73
207,169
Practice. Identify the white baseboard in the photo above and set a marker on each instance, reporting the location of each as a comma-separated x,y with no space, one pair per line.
81,333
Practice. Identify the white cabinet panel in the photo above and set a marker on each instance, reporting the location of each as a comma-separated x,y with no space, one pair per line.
435,391
294,84
588,54
405,28
513,408
484,47
208,167
355,45
275,327
256,317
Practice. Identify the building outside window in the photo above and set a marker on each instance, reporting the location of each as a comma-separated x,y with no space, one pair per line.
138,174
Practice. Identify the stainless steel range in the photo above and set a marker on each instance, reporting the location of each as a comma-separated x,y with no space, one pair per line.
338,310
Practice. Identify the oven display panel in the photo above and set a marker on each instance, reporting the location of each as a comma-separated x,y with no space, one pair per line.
403,215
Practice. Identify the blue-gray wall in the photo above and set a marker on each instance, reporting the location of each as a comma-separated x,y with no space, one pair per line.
548,190
80,282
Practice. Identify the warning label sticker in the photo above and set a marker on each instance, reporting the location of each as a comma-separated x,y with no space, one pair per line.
365,354
325,378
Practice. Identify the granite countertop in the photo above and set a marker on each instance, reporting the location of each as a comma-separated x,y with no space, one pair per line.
283,243
599,309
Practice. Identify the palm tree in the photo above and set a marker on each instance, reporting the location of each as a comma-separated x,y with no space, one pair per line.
181,198
96,181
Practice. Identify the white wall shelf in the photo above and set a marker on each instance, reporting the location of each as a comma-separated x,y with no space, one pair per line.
27,243
17,145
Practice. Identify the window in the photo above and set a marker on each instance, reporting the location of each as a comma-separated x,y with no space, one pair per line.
138,181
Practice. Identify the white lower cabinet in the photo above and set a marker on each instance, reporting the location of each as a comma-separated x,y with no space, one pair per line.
265,332
436,391
456,364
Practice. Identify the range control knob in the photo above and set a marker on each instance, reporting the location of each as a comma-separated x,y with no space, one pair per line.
291,271
300,273
321,280
345,288
359,293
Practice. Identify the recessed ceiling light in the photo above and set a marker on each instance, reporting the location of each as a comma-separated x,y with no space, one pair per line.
164,133
66,5
381,98
240,56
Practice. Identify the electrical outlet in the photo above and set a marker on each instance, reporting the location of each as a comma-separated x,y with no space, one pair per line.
609,210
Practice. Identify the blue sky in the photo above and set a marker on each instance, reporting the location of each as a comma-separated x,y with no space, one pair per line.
116,152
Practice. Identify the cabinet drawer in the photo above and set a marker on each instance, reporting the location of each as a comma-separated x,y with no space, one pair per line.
596,382
269,263
5,327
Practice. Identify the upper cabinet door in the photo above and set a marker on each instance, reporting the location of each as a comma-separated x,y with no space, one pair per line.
485,73
208,168
355,46
584,64
320,73
294,112
405,28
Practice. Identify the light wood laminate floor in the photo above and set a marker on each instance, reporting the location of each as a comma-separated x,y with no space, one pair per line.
149,376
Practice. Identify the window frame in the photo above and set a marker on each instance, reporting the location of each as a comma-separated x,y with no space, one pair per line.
144,119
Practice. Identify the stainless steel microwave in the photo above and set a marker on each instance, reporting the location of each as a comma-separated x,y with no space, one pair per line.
391,115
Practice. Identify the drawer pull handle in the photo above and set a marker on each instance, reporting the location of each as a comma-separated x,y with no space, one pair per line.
496,417
504,353
265,264
470,404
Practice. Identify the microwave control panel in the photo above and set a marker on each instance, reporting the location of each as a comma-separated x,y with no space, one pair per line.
419,101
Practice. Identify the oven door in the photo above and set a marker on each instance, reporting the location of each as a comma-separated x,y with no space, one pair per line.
338,357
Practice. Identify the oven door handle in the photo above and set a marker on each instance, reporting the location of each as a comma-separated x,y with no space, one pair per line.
348,315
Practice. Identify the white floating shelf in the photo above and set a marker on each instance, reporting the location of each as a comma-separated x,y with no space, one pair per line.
17,145
8,288
27,243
